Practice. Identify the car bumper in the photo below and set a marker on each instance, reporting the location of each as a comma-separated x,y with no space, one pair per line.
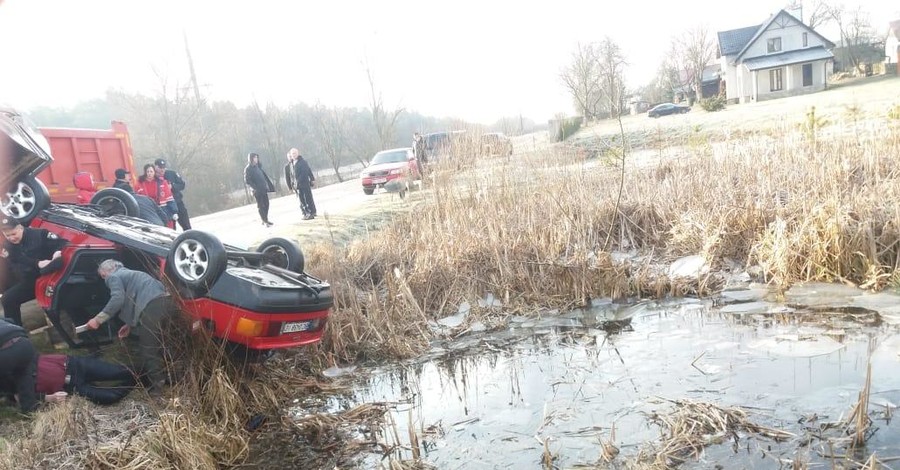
234,324
373,181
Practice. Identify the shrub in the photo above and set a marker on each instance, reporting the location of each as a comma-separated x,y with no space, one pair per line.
567,128
716,103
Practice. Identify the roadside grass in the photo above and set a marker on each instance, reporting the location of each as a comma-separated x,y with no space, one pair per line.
810,199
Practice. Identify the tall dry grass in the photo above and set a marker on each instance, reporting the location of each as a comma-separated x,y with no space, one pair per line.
538,230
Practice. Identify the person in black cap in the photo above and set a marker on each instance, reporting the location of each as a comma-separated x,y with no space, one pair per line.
177,182
123,181
31,252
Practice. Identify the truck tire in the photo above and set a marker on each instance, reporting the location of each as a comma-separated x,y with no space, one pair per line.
196,260
283,253
115,201
25,199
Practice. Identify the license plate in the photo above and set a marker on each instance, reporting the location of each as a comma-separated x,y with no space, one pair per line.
294,327
379,180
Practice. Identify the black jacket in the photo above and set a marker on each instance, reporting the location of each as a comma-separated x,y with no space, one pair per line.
256,178
9,331
124,185
176,181
299,174
37,244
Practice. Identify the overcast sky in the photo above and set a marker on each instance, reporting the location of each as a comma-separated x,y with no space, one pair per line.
477,60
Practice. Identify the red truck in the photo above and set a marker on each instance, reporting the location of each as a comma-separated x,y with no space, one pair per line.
98,152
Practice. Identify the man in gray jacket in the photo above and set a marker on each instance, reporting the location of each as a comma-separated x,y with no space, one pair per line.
142,303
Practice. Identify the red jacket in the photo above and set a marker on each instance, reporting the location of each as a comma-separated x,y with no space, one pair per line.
84,182
149,189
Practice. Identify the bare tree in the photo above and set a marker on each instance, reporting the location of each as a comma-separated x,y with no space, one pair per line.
384,119
857,34
330,131
582,80
819,14
693,50
611,67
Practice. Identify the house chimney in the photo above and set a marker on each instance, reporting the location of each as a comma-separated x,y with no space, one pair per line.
795,8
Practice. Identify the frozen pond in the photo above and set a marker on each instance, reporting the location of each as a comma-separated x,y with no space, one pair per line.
499,399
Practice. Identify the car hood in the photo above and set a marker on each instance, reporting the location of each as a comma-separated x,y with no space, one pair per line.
23,150
384,166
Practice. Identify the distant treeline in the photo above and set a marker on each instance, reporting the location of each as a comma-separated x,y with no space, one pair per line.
208,141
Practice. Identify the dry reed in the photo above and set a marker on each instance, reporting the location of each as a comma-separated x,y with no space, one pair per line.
533,231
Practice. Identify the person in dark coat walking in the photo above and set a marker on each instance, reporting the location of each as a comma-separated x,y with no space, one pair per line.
30,252
259,182
302,180
18,367
178,184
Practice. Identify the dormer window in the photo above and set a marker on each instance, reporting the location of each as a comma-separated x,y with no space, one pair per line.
773,45
805,40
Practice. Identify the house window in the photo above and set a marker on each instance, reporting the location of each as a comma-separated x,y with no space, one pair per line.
774,45
807,75
805,40
775,80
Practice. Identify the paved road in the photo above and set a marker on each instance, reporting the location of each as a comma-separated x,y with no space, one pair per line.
242,227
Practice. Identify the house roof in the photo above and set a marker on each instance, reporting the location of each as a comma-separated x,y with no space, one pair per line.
788,58
766,25
733,41
894,28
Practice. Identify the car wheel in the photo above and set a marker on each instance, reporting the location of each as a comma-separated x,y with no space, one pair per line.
369,191
283,253
196,260
115,201
25,199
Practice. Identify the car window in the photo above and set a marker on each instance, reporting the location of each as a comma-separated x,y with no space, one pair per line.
391,156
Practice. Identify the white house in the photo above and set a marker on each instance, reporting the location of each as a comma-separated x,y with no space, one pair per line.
780,57
892,48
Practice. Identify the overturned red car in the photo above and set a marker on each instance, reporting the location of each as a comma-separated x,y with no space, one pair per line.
258,301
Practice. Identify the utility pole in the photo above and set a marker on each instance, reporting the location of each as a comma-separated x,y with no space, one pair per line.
187,49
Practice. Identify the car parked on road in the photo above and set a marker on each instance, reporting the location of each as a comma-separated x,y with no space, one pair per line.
667,108
496,143
397,167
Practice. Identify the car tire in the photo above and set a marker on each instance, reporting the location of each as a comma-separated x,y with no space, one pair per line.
196,260
115,201
369,191
283,253
25,199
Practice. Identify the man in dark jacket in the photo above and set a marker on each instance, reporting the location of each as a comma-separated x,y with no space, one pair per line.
18,364
178,184
30,252
259,182
123,181
302,180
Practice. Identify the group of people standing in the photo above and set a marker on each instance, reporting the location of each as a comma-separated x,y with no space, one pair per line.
298,175
165,189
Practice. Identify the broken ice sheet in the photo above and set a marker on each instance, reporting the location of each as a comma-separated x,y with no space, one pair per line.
797,346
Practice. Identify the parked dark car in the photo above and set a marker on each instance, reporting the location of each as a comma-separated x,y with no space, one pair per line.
666,109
